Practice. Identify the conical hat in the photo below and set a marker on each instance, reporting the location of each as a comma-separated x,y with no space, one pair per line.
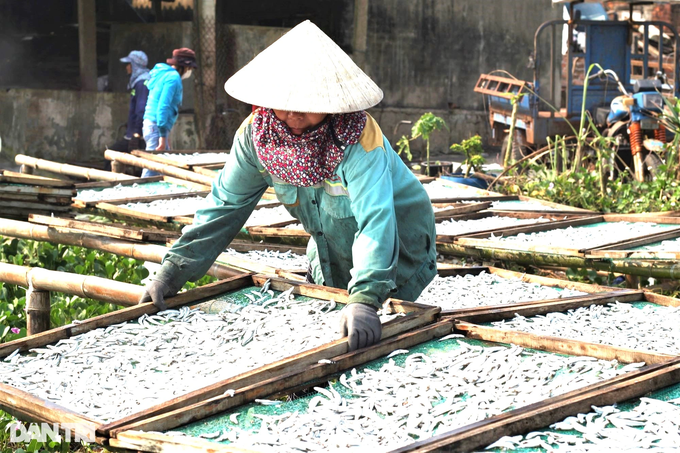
304,71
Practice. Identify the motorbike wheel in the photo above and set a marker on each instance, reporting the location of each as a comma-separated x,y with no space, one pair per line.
519,147
651,164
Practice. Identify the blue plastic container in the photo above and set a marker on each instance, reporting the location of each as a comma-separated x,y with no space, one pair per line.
472,181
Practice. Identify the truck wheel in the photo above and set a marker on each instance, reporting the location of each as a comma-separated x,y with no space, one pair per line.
519,147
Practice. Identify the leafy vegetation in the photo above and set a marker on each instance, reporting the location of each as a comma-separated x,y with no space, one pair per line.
472,149
423,128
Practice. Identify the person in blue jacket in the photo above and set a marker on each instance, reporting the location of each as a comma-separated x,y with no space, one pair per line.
165,97
136,68
370,220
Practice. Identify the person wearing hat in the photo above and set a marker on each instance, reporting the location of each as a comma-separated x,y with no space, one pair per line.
139,74
165,97
370,220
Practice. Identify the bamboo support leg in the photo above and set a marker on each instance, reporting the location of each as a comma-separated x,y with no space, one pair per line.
37,311
25,169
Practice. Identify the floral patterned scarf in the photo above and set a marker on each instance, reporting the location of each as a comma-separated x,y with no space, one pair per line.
307,159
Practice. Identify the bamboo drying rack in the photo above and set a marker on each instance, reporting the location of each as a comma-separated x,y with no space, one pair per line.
23,405
596,294
663,370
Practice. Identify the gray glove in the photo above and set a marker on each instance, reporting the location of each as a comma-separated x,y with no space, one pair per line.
164,284
361,323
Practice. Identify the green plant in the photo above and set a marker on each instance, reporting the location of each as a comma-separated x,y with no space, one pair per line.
423,128
472,149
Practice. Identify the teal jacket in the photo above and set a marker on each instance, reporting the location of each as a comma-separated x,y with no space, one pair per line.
371,224
165,97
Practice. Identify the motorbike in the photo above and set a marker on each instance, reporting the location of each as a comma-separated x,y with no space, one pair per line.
632,119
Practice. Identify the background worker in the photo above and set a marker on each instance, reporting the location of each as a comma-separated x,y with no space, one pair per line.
165,97
370,219
136,68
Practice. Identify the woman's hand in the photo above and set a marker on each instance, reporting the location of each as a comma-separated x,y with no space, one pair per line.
361,324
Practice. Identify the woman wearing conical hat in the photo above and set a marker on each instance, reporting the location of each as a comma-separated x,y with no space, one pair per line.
370,220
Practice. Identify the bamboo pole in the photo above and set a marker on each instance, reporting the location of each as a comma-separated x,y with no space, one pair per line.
37,311
146,252
161,168
96,288
70,170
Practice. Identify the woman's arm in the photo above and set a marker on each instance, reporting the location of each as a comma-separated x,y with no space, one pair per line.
233,197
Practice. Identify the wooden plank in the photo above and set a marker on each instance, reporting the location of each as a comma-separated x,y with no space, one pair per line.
127,182
561,345
246,246
493,313
127,212
660,299
123,315
539,415
39,198
141,441
533,228
30,206
473,197
101,228
36,190
144,198
25,406
343,361
647,217
276,232
557,206
459,208
547,281
7,176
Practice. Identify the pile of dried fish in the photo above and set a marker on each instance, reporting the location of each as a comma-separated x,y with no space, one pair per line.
467,291
112,372
437,189
421,396
171,206
617,324
279,260
586,236
457,227
134,190
267,216
652,425
196,158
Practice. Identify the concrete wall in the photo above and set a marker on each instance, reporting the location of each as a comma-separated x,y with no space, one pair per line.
430,53
66,126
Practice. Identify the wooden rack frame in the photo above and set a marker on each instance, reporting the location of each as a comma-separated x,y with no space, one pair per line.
596,294
663,370
450,238
113,230
80,203
28,407
481,239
